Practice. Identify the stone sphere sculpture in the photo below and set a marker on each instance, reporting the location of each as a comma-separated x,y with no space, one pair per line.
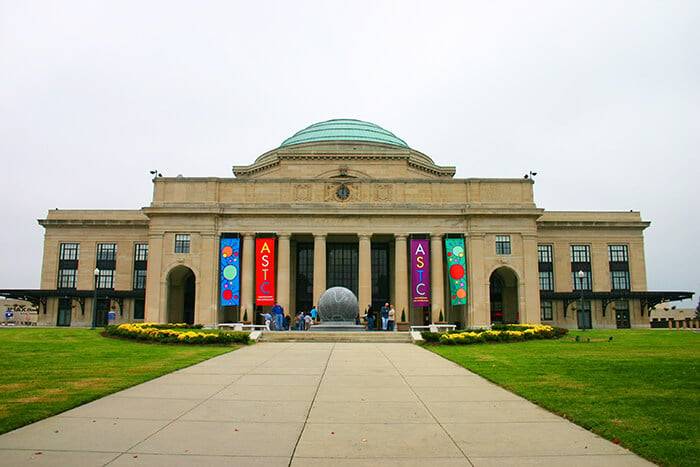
338,304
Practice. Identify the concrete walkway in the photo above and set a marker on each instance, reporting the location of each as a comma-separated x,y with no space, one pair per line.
312,404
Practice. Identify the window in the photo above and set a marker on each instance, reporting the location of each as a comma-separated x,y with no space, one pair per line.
546,310
105,280
502,244
545,266
141,252
67,278
544,253
619,267
547,281
70,251
580,254
619,280
617,253
581,284
107,252
68,265
140,265
182,243
140,279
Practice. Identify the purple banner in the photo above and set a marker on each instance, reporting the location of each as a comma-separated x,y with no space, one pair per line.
420,272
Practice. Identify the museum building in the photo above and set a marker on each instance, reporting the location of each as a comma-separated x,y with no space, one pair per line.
344,203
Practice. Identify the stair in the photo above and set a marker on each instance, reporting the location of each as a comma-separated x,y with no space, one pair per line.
307,336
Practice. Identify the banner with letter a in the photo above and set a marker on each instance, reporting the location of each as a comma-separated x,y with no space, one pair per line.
229,277
420,272
456,270
264,271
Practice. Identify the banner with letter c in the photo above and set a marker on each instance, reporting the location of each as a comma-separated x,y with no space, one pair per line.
264,271
456,270
420,272
230,277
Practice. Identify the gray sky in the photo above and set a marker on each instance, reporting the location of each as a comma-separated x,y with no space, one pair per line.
602,98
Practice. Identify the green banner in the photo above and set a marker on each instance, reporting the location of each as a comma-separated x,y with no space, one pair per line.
456,270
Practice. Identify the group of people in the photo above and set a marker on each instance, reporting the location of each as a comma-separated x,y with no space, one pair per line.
278,320
387,315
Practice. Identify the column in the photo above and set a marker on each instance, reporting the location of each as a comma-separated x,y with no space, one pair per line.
479,312
529,293
437,288
319,266
247,277
283,254
365,270
207,284
401,277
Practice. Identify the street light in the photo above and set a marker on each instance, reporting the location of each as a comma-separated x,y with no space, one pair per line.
94,300
581,275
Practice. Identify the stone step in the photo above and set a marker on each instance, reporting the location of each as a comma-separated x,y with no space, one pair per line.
307,336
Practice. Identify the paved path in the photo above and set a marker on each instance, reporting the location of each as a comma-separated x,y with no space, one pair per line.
312,404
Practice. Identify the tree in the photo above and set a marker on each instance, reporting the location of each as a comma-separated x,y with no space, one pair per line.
697,310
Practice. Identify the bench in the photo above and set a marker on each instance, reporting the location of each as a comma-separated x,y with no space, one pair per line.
435,328
244,327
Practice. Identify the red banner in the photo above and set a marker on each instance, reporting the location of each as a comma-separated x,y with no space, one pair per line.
264,271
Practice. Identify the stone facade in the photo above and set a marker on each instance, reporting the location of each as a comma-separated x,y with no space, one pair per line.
368,196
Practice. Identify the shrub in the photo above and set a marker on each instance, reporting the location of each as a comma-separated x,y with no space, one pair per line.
182,335
500,333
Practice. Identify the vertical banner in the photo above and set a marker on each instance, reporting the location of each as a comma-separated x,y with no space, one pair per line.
420,272
264,271
456,270
229,278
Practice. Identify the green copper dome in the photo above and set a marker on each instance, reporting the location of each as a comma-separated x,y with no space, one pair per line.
344,130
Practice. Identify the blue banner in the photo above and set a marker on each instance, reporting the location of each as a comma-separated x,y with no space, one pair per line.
230,260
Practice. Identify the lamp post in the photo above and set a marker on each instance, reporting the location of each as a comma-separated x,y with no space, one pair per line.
581,275
94,300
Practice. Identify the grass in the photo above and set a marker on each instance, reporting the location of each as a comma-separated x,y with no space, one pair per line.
641,388
47,371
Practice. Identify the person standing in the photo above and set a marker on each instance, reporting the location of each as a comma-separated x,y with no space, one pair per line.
369,317
385,316
314,314
278,312
300,321
266,320
392,318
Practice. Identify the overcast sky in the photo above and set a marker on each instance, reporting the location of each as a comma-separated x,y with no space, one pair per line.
601,98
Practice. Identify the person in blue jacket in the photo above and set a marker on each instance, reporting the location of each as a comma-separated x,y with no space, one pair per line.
278,312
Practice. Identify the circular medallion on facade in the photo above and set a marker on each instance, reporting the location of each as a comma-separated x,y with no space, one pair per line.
230,272
343,193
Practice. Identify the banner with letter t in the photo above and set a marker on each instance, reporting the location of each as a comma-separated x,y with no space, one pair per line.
264,271
420,272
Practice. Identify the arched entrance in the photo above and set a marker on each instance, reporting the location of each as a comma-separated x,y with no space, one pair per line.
503,292
181,295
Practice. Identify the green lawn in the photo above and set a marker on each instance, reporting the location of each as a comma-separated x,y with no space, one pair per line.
47,371
641,388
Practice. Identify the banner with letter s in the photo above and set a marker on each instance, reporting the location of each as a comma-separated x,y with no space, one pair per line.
456,270
264,271
420,272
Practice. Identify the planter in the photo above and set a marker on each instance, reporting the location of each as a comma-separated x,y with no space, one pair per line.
403,326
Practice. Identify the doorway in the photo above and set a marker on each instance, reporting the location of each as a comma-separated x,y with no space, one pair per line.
181,295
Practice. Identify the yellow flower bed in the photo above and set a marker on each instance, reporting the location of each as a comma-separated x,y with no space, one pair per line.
532,331
160,333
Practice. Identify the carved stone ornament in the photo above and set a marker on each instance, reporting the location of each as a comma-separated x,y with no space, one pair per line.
340,192
302,192
383,192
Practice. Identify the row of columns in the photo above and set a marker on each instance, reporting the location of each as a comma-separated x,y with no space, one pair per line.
401,272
